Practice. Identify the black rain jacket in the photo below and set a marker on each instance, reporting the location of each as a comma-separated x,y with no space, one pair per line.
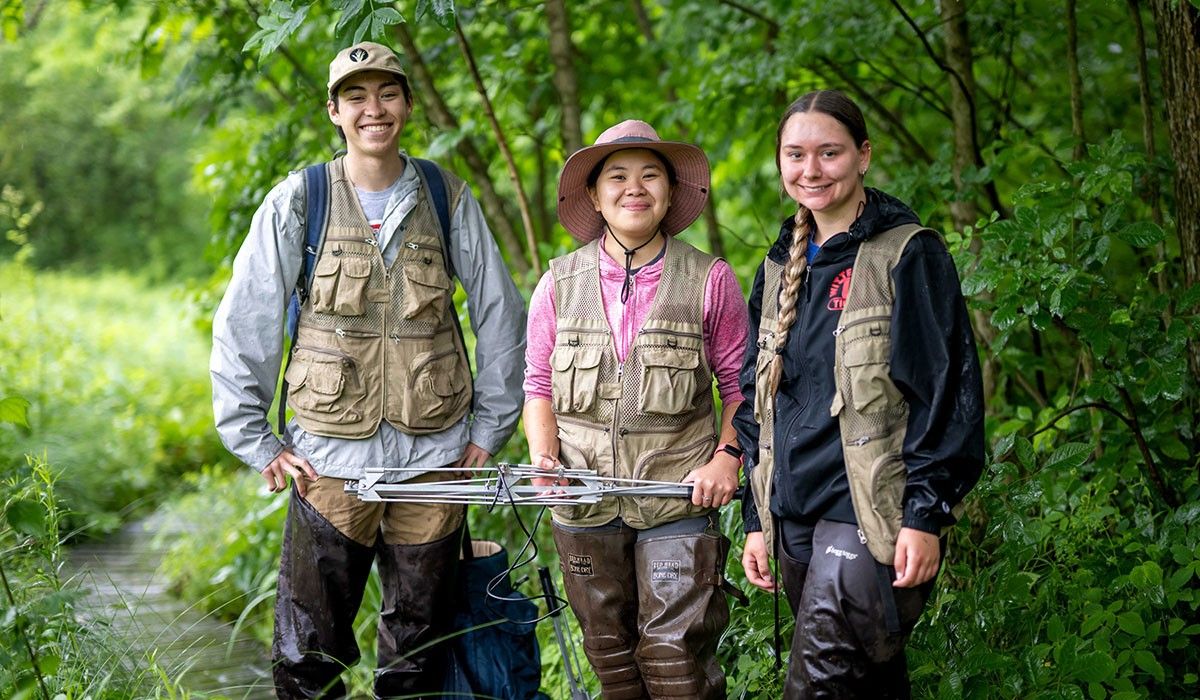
934,363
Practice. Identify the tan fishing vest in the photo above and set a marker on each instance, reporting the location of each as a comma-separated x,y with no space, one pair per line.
872,413
648,418
378,343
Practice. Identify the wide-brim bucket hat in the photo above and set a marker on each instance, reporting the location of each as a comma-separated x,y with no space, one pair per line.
692,179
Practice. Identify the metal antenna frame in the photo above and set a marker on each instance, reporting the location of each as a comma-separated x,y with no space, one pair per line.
505,483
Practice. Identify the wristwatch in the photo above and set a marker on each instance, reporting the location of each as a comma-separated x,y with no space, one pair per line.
731,449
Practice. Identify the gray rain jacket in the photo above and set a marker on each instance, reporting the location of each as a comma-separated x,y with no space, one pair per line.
248,340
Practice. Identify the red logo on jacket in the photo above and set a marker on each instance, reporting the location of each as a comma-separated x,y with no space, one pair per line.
839,289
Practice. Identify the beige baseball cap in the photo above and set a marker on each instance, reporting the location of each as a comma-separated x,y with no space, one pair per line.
362,57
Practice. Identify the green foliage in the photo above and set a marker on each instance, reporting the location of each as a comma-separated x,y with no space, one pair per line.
98,149
112,388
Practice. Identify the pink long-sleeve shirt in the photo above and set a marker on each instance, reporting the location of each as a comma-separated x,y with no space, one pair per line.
726,322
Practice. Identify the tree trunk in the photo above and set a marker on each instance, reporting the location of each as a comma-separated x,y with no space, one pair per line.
964,211
712,226
1076,83
1178,26
439,114
1149,187
562,54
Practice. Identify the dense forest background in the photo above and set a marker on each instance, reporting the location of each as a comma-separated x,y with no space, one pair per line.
1053,143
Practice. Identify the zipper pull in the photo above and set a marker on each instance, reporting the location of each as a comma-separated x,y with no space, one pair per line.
371,242
411,246
861,441
838,331
339,332
862,539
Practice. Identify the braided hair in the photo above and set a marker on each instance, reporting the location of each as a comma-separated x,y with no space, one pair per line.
843,109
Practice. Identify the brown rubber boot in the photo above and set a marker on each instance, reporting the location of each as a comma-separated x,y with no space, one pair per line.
682,613
418,585
599,580
322,575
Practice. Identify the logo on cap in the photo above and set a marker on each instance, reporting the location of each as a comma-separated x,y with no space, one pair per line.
358,55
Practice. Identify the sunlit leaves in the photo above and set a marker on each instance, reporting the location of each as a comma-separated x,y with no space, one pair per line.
14,409
279,23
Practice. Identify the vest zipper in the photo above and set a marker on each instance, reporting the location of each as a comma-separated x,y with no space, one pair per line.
857,322
678,334
322,351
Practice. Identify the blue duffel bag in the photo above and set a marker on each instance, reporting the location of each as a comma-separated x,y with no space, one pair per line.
494,650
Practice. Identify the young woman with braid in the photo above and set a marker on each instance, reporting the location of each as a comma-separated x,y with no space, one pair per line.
863,419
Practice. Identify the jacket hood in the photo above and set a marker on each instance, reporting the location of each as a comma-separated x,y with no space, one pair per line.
882,212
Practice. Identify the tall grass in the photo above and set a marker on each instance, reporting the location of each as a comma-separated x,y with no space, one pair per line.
47,648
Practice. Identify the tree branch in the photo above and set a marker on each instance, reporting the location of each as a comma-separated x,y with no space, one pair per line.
509,161
906,137
440,116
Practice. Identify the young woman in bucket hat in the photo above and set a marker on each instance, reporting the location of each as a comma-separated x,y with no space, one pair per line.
863,418
625,337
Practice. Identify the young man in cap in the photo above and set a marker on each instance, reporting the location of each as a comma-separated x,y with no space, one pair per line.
378,377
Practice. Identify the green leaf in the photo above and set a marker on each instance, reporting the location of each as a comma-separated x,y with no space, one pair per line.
1146,661
1069,456
1190,298
1142,234
1095,666
388,16
363,27
27,517
15,410
1148,574
349,11
1092,622
1025,453
1055,629
1131,623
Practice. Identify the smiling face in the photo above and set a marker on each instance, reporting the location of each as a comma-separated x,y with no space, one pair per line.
821,167
632,193
371,109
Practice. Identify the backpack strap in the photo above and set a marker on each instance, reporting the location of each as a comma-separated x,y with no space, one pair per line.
316,219
436,183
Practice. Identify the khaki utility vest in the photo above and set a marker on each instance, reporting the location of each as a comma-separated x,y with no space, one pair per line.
872,413
378,343
648,418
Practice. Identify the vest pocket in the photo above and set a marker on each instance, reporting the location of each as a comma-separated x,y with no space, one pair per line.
574,378
871,386
889,476
427,285
351,296
323,294
438,387
317,382
668,380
